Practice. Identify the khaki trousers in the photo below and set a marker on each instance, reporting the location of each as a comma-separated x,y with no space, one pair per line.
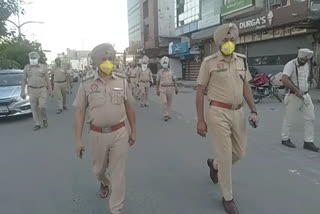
294,106
144,93
166,94
133,87
60,93
110,154
38,102
228,133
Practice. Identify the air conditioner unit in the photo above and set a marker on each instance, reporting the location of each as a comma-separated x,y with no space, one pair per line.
273,3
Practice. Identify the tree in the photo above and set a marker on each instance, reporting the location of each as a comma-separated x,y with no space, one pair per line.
7,8
14,53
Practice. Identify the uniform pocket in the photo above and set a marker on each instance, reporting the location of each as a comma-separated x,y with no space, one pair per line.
220,75
96,100
117,96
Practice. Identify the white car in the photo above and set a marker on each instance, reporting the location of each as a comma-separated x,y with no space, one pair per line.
11,104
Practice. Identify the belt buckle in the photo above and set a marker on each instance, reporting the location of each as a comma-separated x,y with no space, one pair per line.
237,107
106,130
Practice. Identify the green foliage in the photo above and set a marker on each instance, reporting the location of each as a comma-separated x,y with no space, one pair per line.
7,8
14,52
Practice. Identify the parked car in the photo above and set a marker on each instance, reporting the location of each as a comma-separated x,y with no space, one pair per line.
11,104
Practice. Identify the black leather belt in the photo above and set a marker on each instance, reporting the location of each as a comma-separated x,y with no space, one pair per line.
36,87
60,81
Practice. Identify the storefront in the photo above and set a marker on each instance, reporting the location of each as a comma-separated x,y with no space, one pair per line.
189,58
273,38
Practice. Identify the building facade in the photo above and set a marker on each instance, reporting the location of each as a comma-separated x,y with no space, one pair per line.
195,21
272,31
134,26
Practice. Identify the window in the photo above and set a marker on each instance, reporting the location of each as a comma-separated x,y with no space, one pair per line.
186,11
146,32
145,9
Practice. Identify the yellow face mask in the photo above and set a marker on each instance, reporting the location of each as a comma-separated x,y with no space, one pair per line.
106,67
228,48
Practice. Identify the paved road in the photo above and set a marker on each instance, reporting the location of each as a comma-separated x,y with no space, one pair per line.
167,170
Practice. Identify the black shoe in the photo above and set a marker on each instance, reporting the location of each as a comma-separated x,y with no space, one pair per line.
213,171
36,128
288,143
230,207
59,111
45,123
65,108
310,146
166,118
146,105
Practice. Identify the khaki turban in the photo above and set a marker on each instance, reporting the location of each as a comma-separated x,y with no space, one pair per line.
34,55
102,53
164,59
225,29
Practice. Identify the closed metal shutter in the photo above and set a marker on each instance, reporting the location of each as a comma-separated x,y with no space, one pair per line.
191,69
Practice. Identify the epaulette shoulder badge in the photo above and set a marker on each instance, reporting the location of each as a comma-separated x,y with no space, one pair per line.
240,55
210,57
121,75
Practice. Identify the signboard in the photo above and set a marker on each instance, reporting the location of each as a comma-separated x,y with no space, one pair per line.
231,6
248,38
279,32
267,35
178,48
274,18
258,22
256,36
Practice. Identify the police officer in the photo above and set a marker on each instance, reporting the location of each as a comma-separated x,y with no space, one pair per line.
132,76
145,80
166,83
225,75
37,79
109,102
60,81
295,78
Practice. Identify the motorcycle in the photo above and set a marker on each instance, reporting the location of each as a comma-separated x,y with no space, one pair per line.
262,87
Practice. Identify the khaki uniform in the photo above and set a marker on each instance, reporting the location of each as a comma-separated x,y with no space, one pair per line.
35,76
226,128
145,79
296,105
61,81
132,75
166,80
105,103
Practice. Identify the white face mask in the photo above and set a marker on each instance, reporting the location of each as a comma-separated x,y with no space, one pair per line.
33,61
144,67
165,66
